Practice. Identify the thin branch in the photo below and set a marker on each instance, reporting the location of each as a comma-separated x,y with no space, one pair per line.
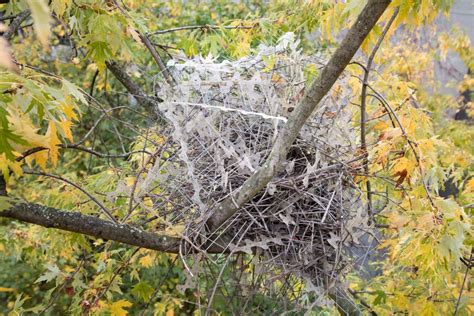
203,27
102,155
8,17
34,150
343,55
102,206
463,284
412,147
150,47
363,111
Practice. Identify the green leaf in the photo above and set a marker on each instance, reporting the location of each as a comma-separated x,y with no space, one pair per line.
52,273
7,136
70,88
142,290
381,297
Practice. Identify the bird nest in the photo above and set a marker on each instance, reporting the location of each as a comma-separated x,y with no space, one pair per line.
223,120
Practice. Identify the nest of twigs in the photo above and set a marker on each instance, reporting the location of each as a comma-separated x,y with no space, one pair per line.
223,119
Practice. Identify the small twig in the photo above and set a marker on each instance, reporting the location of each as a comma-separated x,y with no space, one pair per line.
104,209
94,78
363,111
68,281
202,27
34,150
463,284
151,48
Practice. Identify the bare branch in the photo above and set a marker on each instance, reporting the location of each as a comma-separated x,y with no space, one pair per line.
343,55
131,86
102,206
203,27
33,150
363,111
15,24
157,58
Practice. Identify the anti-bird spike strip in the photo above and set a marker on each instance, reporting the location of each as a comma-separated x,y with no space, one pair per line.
224,117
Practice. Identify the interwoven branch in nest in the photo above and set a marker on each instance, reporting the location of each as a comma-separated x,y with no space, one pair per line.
224,118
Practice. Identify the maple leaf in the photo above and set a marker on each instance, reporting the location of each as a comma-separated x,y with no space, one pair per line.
146,261
53,142
403,165
52,273
66,127
68,109
402,174
117,308
41,157
143,290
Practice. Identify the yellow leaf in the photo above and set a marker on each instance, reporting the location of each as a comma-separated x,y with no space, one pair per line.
41,157
41,18
175,230
148,202
404,164
380,126
6,165
470,186
117,308
134,34
53,142
7,289
130,181
391,133
146,261
22,125
66,127
68,109
59,6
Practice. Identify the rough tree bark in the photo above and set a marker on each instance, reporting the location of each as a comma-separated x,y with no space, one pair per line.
143,99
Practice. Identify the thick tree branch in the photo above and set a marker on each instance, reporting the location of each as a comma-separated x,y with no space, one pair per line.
343,55
119,73
15,24
91,226
204,27
157,59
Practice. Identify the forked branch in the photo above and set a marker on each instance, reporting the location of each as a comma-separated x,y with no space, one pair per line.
320,87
